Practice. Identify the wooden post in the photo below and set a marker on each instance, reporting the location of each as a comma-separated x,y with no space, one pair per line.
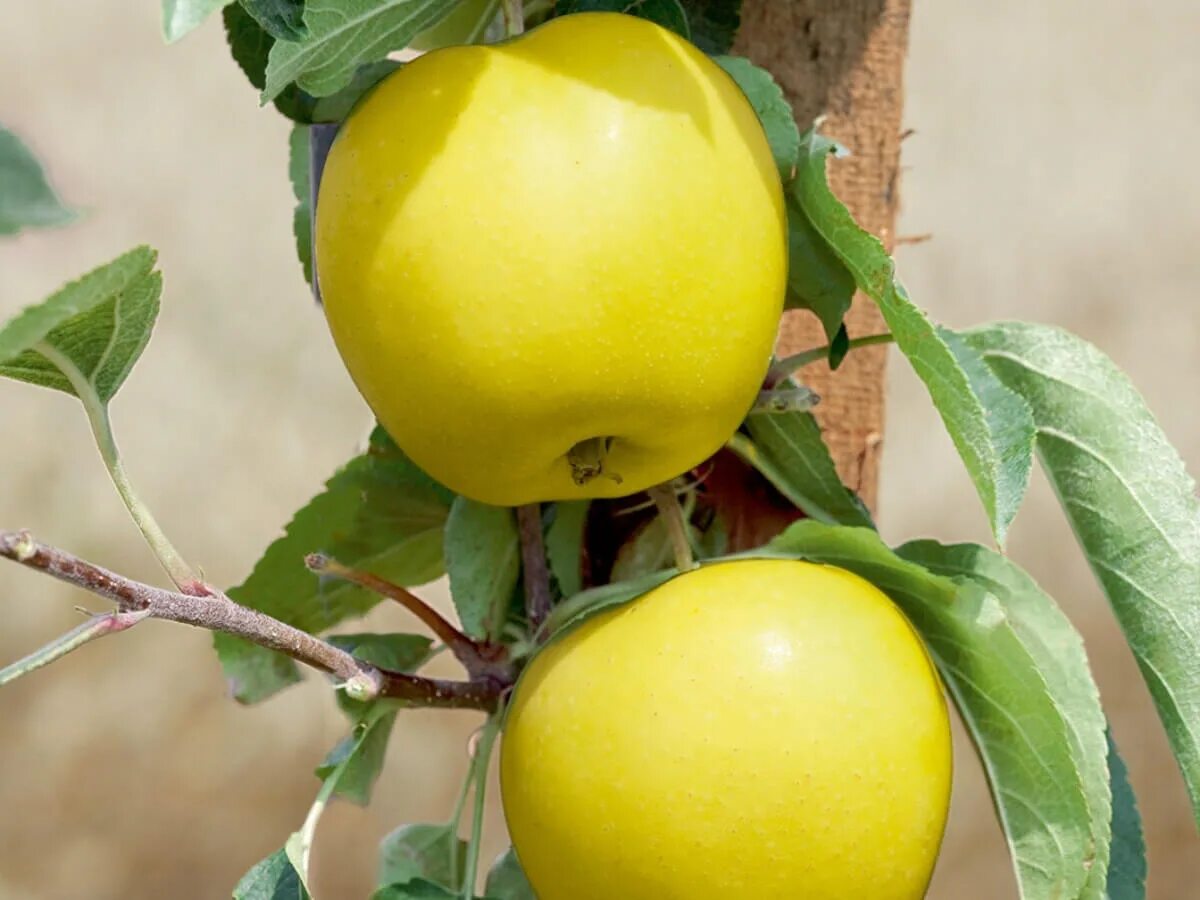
843,59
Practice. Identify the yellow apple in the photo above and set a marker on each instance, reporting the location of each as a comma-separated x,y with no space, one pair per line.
758,729
555,267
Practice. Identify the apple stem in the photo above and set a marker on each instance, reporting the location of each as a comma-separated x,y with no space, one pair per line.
676,524
589,460
514,17
534,565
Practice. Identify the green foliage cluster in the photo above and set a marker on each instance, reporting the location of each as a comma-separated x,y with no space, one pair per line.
1007,393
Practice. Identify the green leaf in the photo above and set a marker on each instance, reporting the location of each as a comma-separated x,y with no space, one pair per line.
85,338
483,560
471,22
432,852
1130,501
344,34
575,609
1127,868
180,17
336,107
564,544
714,23
395,652
418,889
791,454
1025,734
298,172
26,198
991,427
282,19
667,13
1057,651
379,513
773,109
817,279
275,878
250,45
648,550
357,760
507,881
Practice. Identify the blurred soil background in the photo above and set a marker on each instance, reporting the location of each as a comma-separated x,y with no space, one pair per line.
1053,162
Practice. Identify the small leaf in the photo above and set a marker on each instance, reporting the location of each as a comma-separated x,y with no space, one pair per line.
180,17
483,560
790,452
648,550
667,13
1127,868
714,23
357,760
26,198
1026,731
991,427
817,279
282,19
379,513
564,544
507,881
395,652
344,34
336,107
1130,502
418,889
298,171
432,852
774,111
93,329
582,606
275,878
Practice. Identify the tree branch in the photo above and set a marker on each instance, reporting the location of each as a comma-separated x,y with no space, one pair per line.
136,601
534,565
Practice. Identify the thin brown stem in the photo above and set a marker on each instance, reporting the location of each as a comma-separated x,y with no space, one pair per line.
136,600
478,657
671,512
534,565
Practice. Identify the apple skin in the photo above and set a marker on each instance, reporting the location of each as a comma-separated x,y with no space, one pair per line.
576,237
761,728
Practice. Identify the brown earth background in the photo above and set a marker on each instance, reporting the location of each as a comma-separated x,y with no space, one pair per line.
1054,164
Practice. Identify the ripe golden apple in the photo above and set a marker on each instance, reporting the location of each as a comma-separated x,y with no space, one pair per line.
555,267
760,729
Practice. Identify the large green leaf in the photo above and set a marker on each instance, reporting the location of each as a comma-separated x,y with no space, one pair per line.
991,427
714,23
85,338
507,881
1127,866
342,35
282,19
1057,650
26,198
1130,501
379,513
817,280
789,451
667,13
483,560
432,852
180,17
773,109
1026,728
